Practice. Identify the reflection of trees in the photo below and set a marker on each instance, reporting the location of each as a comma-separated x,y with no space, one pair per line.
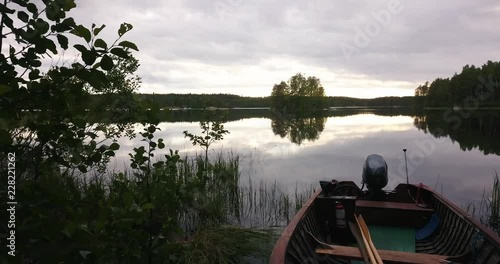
479,130
298,129
420,123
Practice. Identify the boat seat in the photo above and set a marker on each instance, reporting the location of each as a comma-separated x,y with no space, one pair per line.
387,256
409,215
392,205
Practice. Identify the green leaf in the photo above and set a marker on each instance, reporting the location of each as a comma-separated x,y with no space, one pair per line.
23,16
114,146
6,10
120,53
50,45
65,25
34,74
128,199
5,138
82,168
79,122
99,43
32,8
107,63
161,145
63,41
68,5
80,48
109,153
124,28
36,63
89,57
52,12
82,32
128,44
96,157
98,30
41,26
4,89
148,206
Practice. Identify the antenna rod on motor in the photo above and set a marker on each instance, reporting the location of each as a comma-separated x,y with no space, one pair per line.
406,167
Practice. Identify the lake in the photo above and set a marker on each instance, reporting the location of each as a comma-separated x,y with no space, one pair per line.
455,152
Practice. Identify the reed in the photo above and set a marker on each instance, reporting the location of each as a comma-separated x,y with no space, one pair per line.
207,213
494,205
227,244
488,209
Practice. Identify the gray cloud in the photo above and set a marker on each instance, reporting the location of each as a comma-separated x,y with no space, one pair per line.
427,39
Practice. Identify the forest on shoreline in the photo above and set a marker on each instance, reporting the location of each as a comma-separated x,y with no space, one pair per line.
473,87
172,100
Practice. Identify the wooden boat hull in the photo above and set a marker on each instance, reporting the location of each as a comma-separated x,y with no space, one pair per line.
458,235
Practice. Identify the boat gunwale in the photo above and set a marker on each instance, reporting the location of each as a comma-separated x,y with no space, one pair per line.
281,246
487,233
279,251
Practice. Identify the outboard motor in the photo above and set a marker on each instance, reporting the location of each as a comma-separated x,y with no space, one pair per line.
375,173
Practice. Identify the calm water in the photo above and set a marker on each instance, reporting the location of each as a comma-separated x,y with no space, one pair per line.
459,157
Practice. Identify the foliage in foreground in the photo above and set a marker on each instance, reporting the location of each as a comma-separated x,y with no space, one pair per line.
182,217
156,212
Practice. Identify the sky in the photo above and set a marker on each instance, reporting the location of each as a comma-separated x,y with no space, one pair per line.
358,48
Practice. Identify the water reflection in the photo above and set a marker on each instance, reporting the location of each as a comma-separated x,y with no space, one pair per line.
298,129
474,130
303,150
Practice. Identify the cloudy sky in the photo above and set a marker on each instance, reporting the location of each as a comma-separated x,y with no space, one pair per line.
357,48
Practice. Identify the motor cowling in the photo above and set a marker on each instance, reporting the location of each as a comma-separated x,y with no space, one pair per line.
375,173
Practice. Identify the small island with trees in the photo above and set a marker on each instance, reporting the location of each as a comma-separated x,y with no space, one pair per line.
298,93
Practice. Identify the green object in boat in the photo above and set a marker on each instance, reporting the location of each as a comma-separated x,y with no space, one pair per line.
393,238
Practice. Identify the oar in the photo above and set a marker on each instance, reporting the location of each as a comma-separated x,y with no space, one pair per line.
359,238
366,232
368,248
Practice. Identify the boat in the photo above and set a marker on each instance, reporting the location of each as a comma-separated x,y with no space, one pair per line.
410,224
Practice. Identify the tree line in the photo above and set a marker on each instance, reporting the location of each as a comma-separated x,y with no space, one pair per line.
234,101
472,87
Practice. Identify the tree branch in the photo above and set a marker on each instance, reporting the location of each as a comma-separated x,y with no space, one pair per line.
1,26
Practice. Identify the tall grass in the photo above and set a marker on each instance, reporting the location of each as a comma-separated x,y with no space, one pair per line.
233,216
227,199
488,210
492,205
188,211
227,215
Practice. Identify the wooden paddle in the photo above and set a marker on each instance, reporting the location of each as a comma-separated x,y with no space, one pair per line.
365,242
359,238
366,233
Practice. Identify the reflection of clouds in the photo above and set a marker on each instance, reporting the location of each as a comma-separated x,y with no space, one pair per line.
371,119
338,153
256,133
